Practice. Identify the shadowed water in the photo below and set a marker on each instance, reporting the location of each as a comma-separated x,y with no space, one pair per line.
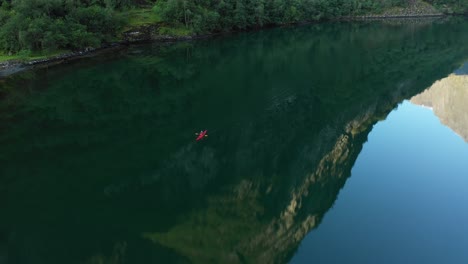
99,162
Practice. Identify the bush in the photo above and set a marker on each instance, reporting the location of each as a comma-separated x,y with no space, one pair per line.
24,54
57,24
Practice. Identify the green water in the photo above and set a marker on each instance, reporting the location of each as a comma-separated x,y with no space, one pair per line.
99,163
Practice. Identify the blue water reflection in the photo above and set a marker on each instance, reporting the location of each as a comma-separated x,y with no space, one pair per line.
406,201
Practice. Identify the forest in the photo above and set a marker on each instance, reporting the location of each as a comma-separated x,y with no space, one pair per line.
50,25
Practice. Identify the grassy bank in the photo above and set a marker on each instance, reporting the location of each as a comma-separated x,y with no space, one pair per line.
31,56
141,16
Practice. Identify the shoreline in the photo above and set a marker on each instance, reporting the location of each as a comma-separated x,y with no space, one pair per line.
145,34
384,17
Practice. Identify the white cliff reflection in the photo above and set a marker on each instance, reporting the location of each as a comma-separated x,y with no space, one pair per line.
448,99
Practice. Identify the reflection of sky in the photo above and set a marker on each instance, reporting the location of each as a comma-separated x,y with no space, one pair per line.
406,201
463,70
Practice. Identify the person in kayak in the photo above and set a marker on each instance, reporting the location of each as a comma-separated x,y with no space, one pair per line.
201,135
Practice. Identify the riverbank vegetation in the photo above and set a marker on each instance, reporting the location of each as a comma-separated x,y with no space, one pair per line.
48,25
451,6
227,15
45,26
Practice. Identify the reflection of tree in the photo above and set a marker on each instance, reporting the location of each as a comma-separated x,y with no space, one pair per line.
106,151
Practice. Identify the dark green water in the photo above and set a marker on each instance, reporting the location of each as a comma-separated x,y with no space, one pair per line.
99,163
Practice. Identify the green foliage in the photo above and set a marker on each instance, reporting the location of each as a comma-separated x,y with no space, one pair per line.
451,6
57,24
142,16
225,15
49,25
24,54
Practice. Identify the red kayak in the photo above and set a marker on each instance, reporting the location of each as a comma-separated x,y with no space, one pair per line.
202,135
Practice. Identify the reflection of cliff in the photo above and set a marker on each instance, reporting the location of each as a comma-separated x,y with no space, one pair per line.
234,228
448,98
237,225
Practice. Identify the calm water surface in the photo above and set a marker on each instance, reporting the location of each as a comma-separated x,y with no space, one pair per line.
329,143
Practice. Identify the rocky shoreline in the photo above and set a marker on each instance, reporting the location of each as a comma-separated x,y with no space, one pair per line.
377,17
149,33
137,35
14,66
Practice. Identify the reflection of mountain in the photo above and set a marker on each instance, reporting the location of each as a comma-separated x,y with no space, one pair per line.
448,98
101,166
235,226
